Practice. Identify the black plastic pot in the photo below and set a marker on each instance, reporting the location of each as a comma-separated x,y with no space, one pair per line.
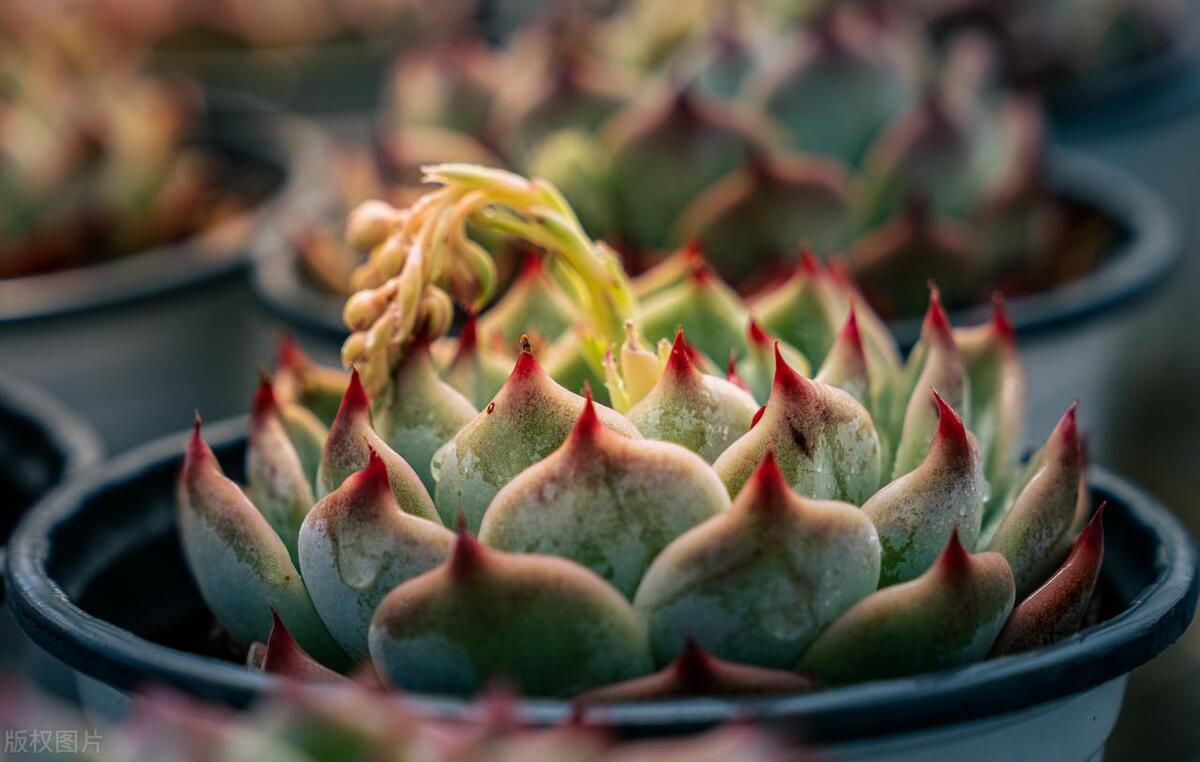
42,444
1063,331
134,344
97,579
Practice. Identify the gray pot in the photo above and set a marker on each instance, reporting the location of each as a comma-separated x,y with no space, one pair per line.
135,344
125,612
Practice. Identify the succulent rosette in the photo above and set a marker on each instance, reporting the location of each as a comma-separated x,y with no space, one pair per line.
95,159
771,498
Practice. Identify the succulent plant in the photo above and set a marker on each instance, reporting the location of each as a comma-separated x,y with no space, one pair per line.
780,540
97,157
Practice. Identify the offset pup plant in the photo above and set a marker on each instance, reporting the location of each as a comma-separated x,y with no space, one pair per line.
768,485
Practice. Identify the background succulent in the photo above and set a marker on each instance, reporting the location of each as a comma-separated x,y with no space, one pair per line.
737,134
781,538
95,159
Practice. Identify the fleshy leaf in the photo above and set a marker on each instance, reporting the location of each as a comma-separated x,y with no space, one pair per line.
754,585
701,412
300,380
947,617
916,514
823,439
241,566
356,545
1032,534
420,412
803,310
283,656
698,673
454,629
276,482
348,449
530,418
998,398
710,311
533,304
1057,608
757,367
935,363
605,501
475,370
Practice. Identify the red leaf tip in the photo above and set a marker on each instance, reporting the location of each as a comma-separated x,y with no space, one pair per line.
766,484
264,400
850,332
288,353
1000,322
589,422
531,265
355,400
526,364
936,319
694,666
375,472
756,333
810,266
468,338
468,553
758,414
785,375
955,558
679,362
1093,533
950,425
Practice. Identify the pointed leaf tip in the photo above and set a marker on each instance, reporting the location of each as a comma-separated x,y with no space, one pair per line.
588,423
526,364
1094,531
355,399
758,414
375,470
1000,321
809,264
288,353
680,360
694,665
756,333
767,480
467,550
264,399
850,332
936,319
785,375
950,425
197,448
954,558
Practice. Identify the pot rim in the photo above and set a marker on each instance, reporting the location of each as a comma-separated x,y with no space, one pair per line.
1149,250
1154,619
1133,96
66,432
296,147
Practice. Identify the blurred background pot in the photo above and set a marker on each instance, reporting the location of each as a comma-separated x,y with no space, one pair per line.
132,342
126,613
